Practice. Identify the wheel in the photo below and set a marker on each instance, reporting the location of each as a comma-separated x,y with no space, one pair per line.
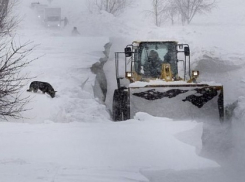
221,107
120,106
116,107
125,105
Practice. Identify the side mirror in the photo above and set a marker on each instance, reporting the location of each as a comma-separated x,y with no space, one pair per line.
128,51
187,51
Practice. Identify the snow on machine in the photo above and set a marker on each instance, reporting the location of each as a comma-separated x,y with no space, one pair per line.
156,77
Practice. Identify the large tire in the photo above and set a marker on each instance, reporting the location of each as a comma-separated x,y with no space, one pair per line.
116,107
125,105
120,106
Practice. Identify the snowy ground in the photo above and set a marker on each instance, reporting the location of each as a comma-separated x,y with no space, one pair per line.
95,152
71,137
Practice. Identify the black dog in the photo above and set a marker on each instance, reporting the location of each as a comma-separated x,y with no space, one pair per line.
43,86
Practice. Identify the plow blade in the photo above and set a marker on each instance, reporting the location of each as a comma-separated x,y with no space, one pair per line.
191,101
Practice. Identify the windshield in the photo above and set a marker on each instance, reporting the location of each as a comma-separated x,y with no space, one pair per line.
53,18
151,56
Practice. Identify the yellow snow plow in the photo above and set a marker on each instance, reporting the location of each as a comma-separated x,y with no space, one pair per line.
155,77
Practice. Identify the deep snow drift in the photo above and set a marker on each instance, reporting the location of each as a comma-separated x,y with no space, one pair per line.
71,137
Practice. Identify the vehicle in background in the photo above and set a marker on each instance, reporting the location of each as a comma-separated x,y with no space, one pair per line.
40,9
52,16
34,4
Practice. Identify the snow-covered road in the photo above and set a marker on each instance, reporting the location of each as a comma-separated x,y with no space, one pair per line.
71,138
65,63
106,151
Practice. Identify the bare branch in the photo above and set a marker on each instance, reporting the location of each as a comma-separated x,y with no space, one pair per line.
13,60
114,7
189,8
158,11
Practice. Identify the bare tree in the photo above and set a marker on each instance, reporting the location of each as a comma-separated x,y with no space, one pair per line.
114,7
50,1
3,7
12,62
7,23
158,11
189,8
3,11
171,11
13,59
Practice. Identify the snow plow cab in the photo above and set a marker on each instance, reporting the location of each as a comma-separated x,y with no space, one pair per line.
155,77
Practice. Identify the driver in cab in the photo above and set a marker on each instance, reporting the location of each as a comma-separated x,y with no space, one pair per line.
153,65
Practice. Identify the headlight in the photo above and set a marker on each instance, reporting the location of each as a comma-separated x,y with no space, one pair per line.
128,74
195,73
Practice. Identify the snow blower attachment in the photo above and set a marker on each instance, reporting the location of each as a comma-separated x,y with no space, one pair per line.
155,77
